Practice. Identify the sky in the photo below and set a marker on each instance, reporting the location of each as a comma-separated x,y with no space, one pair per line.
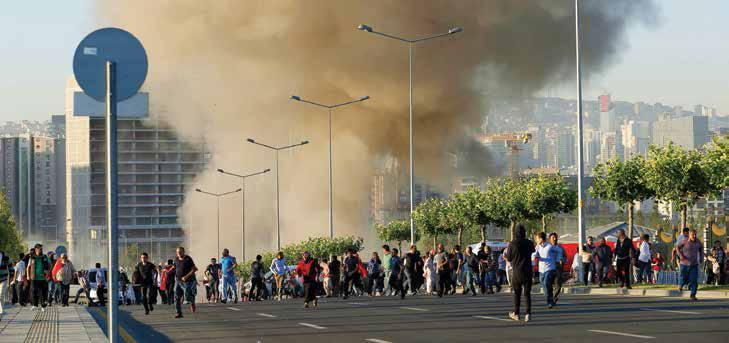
684,60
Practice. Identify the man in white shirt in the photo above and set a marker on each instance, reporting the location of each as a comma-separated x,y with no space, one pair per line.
20,280
547,267
644,259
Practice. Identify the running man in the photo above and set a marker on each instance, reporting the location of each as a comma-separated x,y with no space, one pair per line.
185,270
145,270
213,273
228,265
691,255
308,270
257,274
519,255
547,267
560,259
351,273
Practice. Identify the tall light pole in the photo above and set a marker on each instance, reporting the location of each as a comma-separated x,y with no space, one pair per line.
278,198
411,44
580,158
217,198
243,186
331,187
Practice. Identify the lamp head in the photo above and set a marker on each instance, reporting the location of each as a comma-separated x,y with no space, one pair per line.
198,190
295,97
239,189
455,30
304,142
220,170
267,170
364,98
251,140
364,27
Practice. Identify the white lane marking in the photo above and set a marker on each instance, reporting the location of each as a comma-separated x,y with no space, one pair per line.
414,309
375,340
621,334
361,304
312,326
494,318
266,315
233,308
669,311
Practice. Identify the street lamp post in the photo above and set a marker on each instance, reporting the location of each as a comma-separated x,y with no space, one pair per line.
278,203
331,187
217,198
243,186
411,43
580,157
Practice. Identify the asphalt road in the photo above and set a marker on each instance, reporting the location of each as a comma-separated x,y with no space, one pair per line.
577,318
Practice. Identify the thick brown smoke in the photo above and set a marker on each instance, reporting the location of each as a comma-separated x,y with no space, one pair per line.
224,70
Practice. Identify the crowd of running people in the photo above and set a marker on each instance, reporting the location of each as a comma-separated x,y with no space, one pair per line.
41,279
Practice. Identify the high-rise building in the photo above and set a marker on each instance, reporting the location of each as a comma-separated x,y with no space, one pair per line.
565,148
636,137
691,132
155,168
30,176
705,111
611,147
607,114
592,149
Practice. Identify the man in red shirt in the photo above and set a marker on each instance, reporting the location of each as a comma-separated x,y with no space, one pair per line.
308,270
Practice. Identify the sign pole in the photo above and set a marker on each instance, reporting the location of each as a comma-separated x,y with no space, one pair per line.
111,204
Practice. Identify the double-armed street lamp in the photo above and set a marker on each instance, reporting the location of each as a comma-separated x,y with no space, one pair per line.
411,44
278,203
243,186
331,187
217,198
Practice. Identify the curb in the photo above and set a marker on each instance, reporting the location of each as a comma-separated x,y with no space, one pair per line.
667,293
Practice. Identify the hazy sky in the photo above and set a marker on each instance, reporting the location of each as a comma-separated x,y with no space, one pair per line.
683,61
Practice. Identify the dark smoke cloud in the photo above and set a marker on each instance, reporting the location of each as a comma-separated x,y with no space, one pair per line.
223,71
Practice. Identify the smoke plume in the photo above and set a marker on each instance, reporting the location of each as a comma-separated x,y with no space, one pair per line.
223,71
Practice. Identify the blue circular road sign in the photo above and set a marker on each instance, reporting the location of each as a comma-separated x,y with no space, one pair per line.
115,45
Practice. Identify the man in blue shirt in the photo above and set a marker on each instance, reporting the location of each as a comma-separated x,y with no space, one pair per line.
228,266
560,259
547,269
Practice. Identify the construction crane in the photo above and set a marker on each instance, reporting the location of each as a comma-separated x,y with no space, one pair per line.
511,142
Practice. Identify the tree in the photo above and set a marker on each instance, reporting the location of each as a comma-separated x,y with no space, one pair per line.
716,162
547,196
624,183
11,241
506,202
396,231
430,217
462,211
678,176
318,247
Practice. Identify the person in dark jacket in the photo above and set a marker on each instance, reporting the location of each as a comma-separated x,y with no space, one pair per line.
603,259
351,273
623,255
145,278
308,269
257,274
518,254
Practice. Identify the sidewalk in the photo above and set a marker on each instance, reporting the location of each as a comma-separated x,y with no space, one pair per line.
57,324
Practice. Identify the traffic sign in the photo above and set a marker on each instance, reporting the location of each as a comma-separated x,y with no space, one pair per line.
115,45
